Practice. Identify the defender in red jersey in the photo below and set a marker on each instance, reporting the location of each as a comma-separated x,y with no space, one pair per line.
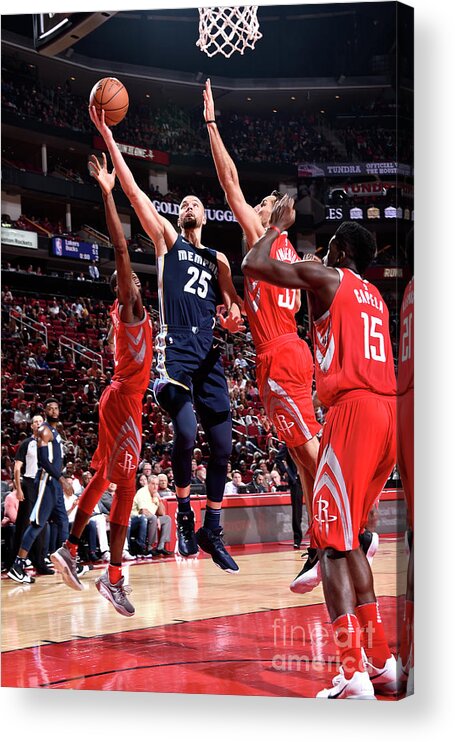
284,366
120,413
406,463
355,379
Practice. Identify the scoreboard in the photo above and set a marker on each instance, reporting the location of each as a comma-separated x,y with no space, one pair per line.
55,32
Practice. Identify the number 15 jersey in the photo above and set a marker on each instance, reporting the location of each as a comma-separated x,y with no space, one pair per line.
352,347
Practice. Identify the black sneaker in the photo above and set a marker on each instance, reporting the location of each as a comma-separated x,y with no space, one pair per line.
18,574
369,542
212,542
186,538
309,576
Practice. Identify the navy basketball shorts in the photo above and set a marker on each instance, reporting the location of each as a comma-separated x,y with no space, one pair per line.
191,358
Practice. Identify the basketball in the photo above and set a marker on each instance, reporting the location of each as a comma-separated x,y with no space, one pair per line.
111,96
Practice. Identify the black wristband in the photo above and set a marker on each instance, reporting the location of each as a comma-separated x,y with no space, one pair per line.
211,121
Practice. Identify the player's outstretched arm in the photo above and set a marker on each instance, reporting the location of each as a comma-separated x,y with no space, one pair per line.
128,293
308,274
228,175
154,224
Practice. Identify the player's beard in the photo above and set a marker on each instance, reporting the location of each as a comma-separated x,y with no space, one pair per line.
190,222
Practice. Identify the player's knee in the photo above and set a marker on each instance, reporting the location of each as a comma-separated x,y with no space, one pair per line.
184,434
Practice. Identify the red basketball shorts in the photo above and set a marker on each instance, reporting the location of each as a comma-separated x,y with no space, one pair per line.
405,410
119,436
356,455
284,373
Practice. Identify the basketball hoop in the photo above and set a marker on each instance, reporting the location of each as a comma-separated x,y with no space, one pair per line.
228,30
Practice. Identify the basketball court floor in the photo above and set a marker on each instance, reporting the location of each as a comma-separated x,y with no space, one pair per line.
196,629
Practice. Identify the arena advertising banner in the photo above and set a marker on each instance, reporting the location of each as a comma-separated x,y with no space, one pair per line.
370,213
64,248
377,188
213,215
141,153
20,238
331,169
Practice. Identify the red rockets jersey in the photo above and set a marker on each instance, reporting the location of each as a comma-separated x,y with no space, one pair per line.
352,347
406,353
133,352
270,309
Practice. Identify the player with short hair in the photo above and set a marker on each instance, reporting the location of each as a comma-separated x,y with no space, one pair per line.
284,366
192,281
49,485
355,379
120,414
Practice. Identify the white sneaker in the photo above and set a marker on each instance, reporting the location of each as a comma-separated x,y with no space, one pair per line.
309,576
359,687
127,557
106,556
385,680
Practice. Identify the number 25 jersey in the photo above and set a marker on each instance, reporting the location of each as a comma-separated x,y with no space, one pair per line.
352,347
188,289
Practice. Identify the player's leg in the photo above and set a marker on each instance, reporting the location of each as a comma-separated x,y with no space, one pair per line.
38,518
340,485
358,452
111,585
340,596
213,406
65,558
381,664
178,403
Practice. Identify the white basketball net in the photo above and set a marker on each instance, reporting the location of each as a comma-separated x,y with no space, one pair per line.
228,30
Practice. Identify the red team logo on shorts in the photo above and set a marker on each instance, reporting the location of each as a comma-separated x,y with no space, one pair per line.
128,465
283,424
322,515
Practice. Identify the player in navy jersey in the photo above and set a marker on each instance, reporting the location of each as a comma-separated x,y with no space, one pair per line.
49,485
192,281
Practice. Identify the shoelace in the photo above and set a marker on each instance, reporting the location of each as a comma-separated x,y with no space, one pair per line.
123,591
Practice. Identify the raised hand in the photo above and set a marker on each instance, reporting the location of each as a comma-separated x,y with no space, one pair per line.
99,171
209,105
100,121
283,214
